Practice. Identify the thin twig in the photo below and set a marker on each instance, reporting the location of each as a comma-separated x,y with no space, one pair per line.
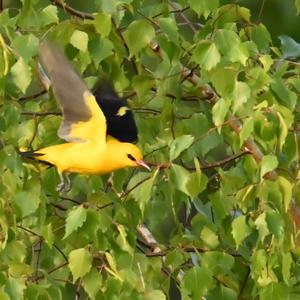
40,114
33,96
72,10
35,132
175,11
183,16
135,186
261,11
225,160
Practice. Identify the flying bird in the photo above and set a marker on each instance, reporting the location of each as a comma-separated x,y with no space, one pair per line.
99,130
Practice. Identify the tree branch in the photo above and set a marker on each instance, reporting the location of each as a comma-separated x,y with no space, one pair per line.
33,96
72,11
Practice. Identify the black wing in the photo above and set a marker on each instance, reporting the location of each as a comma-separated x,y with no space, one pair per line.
119,118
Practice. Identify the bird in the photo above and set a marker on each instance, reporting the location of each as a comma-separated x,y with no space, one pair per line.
99,131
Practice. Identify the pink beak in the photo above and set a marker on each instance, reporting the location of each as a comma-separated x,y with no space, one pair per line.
143,164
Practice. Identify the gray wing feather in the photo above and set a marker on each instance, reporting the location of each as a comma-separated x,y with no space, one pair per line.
68,88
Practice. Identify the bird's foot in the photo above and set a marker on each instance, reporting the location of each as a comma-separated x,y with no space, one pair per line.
60,187
63,186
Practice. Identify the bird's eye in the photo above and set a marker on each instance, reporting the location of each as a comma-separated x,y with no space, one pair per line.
131,157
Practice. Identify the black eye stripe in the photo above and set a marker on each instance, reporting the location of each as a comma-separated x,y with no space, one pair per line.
131,157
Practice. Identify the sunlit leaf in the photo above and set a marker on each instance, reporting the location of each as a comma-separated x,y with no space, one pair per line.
102,23
204,7
206,55
21,73
180,144
240,229
268,163
169,26
229,44
75,219
49,15
138,35
79,262
79,40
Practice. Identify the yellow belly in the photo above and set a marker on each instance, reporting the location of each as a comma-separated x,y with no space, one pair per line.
84,158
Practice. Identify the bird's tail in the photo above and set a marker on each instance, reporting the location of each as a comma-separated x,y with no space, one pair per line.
31,154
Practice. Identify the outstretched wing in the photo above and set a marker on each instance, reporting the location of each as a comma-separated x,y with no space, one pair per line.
83,120
120,121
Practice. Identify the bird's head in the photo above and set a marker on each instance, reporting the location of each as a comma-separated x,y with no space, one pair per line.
132,155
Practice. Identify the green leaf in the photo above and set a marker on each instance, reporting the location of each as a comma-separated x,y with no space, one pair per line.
241,95
246,130
14,288
197,181
142,192
240,230
217,262
197,281
204,7
261,37
75,219
3,295
274,291
283,130
111,261
179,176
179,145
169,26
286,189
138,35
262,226
219,111
228,42
268,163
275,223
297,4
26,46
155,295
224,85
80,263
142,84
48,234
206,55
100,48
287,262
79,40
209,237
28,200
221,204
17,269
267,62
49,15
290,48
284,94
223,293
21,73
102,23
92,283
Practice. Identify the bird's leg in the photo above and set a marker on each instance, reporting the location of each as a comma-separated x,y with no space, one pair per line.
61,186
68,186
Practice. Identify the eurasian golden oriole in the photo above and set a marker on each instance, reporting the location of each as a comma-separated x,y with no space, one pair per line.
99,137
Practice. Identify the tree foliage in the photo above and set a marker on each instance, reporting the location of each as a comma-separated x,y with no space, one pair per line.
217,109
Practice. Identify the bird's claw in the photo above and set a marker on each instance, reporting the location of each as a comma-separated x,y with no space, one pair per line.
63,186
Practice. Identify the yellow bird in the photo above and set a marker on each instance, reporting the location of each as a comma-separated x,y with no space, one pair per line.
89,150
